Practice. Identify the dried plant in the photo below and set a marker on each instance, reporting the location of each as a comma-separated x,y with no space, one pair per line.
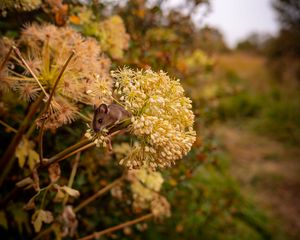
86,78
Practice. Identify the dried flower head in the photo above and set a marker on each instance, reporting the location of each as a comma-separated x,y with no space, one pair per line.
20,5
5,44
86,78
162,118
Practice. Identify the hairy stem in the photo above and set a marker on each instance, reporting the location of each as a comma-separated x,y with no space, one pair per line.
118,227
8,159
97,194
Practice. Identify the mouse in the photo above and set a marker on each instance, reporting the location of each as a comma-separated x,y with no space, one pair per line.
108,115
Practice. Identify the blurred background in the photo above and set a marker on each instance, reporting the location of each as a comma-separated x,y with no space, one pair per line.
239,61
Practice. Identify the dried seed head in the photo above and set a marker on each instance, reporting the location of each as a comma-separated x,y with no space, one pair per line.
86,78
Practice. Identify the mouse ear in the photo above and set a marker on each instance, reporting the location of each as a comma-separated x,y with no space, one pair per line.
103,108
94,107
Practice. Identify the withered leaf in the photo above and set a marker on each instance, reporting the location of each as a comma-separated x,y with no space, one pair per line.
54,172
72,192
39,217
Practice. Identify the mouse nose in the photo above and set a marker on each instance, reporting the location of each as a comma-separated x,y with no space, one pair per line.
96,129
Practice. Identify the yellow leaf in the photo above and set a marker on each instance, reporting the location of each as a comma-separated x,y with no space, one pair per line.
39,217
37,221
22,152
59,196
33,158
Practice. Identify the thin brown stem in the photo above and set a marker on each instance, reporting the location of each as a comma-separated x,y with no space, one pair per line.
41,132
44,233
98,194
83,145
6,59
8,126
8,159
77,151
118,227
18,53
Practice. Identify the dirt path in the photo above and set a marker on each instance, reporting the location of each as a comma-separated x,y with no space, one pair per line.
269,172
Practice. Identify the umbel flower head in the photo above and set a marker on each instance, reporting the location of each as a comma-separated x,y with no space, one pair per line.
162,119
111,33
145,186
113,36
86,78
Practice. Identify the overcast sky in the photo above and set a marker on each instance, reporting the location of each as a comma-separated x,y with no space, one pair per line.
238,18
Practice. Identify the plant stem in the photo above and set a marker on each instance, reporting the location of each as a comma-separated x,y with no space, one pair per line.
41,132
8,126
31,129
72,176
67,151
115,228
85,118
8,159
6,59
16,50
43,233
97,194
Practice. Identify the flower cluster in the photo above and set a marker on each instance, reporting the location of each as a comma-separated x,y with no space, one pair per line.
162,118
20,5
86,78
100,139
145,187
111,33
113,36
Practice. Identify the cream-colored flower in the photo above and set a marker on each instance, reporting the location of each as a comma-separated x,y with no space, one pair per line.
162,118
145,187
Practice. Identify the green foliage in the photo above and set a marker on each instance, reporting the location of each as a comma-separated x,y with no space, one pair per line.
280,119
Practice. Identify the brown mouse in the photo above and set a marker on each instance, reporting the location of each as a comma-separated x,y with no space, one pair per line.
108,115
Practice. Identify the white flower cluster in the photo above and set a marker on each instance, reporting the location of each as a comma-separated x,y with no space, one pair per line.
162,118
99,139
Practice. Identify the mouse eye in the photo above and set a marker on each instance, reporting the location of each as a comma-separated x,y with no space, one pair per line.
100,120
